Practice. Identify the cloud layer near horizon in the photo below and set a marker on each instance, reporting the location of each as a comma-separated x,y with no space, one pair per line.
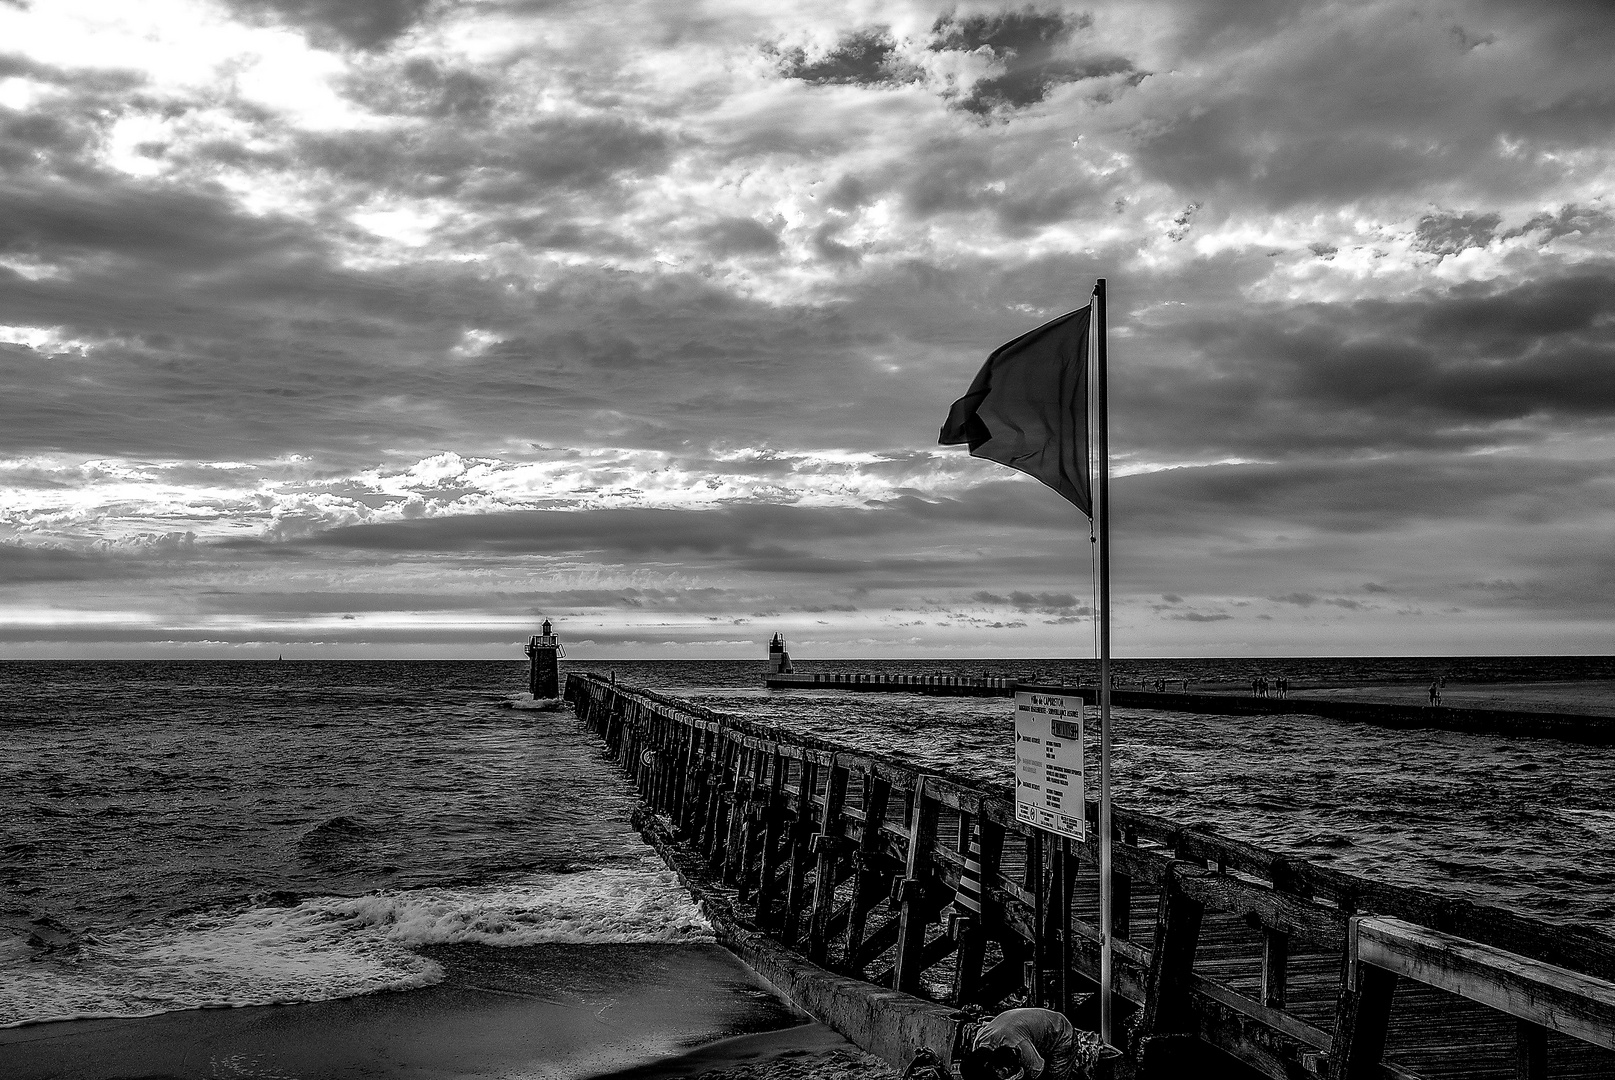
389,326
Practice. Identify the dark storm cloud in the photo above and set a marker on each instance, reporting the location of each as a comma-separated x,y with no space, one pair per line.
1045,603
904,543
1417,372
237,333
1569,221
158,227
1306,600
24,565
957,174
55,139
1328,110
1345,497
421,86
359,24
864,57
1030,46
1440,368
1300,535
274,339
276,346
742,236
1449,234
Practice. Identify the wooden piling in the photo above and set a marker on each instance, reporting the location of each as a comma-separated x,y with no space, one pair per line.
872,868
915,889
827,845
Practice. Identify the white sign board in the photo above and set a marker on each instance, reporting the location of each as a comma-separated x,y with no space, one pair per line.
1048,762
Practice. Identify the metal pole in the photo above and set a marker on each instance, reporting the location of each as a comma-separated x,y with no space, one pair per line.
1102,512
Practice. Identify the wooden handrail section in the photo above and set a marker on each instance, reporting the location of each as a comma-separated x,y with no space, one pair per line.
1549,996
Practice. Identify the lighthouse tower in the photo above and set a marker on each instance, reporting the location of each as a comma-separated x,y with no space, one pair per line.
544,676
779,661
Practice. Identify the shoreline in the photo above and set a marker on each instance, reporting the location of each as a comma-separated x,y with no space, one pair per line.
560,1012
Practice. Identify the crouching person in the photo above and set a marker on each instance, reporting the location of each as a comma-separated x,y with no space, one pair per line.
1022,1044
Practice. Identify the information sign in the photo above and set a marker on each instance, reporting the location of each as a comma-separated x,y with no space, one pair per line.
1048,762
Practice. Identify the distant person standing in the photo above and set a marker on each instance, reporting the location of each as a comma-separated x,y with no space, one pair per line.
1435,692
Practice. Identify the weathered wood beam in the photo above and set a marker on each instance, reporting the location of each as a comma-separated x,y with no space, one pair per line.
801,835
768,862
1362,1019
916,906
1177,933
870,884
1121,884
828,846
1275,967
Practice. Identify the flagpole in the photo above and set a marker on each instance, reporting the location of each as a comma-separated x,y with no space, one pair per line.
1102,513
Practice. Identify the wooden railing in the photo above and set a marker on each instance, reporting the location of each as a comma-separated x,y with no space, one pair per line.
854,859
1541,997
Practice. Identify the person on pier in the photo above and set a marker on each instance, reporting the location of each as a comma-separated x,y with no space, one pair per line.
1022,1044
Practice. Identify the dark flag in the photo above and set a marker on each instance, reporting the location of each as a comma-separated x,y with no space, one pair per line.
1028,408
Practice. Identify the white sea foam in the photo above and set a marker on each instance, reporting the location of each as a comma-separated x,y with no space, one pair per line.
529,703
335,947
597,906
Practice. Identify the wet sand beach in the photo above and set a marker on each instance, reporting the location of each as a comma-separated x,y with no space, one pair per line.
809,1052
555,1012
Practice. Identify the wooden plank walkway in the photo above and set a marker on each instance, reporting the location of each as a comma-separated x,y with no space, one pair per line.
857,861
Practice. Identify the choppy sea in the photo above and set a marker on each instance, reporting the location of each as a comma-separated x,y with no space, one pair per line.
194,834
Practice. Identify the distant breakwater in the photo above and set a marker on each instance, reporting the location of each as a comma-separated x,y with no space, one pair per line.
1572,727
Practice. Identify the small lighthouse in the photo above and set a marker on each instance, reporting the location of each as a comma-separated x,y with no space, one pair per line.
544,676
779,661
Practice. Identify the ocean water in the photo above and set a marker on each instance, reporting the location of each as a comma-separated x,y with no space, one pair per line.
185,835
178,836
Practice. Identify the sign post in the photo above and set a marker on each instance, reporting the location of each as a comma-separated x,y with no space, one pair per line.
1048,762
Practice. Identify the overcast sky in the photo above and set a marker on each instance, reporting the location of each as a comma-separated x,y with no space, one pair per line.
389,327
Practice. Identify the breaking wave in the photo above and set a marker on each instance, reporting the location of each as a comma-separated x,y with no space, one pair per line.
528,703
331,947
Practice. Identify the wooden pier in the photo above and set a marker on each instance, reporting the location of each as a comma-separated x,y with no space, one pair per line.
1230,960
1571,727
880,682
